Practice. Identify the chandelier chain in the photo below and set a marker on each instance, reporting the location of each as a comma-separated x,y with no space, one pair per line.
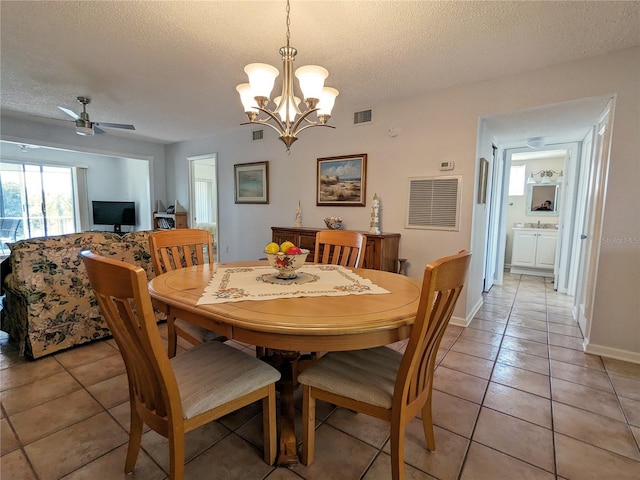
288,22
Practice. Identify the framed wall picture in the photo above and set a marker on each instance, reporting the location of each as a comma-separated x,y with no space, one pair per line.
251,182
482,180
342,180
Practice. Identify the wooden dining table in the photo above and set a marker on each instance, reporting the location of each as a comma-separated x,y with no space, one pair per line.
287,326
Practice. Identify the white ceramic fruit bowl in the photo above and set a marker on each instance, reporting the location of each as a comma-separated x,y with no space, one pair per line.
287,264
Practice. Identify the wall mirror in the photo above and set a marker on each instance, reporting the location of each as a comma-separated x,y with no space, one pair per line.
543,199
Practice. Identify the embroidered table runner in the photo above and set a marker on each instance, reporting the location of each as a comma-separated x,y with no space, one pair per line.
236,284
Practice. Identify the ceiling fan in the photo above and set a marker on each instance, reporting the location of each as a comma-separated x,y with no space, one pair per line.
84,126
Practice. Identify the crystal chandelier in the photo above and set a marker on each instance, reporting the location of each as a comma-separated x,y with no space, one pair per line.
287,118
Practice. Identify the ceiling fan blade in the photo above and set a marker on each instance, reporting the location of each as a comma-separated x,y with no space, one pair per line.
97,130
71,113
115,125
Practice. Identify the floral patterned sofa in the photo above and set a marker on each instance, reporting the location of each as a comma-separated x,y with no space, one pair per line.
49,305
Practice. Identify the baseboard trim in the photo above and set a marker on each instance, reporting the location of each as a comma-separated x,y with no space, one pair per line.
532,271
609,352
458,321
464,322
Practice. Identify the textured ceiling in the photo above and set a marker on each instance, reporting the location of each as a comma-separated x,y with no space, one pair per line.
170,68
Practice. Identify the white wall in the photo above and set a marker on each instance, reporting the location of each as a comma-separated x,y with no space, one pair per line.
122,180
435,127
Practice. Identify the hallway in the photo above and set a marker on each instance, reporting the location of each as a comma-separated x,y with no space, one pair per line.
514,398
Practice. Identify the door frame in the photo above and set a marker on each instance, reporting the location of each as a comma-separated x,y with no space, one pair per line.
493,273
594,217
501,203
191,162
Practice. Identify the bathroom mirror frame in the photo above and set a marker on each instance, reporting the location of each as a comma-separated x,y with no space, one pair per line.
539,193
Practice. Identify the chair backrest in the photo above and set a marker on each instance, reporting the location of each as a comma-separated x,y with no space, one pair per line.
123,296
441,286
340,247
179,248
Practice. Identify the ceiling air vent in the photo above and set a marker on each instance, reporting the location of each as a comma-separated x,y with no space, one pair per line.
434,203
258,134
362,117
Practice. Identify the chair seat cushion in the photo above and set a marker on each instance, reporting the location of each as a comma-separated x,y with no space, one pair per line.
364,375
196,331
212,374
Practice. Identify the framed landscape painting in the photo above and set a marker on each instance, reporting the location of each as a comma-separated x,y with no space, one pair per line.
252,182
342,181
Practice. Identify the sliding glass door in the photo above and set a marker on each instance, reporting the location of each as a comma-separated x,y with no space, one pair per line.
42,197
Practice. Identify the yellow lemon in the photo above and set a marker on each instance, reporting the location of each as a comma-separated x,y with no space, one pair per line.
284,246
272,247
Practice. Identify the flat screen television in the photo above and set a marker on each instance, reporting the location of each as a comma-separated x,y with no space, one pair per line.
114,213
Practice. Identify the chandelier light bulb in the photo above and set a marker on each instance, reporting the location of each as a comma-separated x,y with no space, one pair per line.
327,100
311,79
261,78
292,107
247,98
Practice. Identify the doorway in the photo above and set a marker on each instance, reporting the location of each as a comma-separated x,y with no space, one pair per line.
203,196
539,198
567,123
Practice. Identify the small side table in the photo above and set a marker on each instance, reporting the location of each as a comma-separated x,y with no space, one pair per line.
401,265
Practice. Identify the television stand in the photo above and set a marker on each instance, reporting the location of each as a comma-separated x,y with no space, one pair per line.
108,231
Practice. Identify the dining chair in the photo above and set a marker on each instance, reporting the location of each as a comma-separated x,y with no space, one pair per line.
336,247
340,247
177,395
383,382
179,248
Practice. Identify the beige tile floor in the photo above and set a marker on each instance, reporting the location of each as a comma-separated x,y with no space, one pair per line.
514,398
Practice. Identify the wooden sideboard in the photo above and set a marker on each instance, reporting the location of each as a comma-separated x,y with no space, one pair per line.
381,252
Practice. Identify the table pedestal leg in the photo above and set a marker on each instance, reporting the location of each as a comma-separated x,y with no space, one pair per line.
285,361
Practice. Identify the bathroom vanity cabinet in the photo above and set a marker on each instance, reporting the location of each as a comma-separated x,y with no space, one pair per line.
534,251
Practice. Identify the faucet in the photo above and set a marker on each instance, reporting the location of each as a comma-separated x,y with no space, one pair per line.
538,223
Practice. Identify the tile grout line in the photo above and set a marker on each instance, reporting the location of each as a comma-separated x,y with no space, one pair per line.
624,412
475,424
21,446
551,409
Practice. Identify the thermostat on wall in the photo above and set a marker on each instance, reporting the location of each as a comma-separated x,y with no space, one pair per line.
447,165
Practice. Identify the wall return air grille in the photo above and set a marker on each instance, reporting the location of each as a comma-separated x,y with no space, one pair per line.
257,135
434,203
365,116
